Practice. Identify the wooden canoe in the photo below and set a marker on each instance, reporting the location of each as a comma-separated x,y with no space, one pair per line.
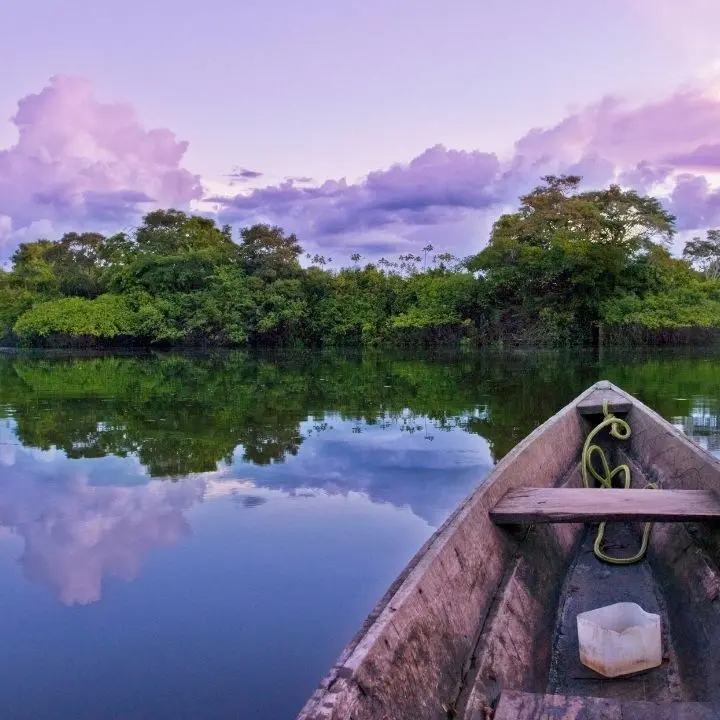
481,623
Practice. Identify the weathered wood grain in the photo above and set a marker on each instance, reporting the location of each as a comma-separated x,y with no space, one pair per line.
515,646
591,583
552,505
526,706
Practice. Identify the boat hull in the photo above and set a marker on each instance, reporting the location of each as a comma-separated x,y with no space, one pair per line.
479,608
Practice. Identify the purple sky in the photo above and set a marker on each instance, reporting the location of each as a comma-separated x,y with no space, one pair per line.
368,126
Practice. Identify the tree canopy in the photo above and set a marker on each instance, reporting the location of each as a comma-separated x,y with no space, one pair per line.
705,253
564,264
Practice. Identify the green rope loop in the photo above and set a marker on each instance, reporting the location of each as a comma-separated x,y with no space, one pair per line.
620,430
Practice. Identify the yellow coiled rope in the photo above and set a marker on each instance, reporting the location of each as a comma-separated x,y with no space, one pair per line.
620,430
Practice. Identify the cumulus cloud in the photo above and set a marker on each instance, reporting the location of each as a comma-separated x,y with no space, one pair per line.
11,237
694,203
440,185
644,176
640,147
80,160
705,158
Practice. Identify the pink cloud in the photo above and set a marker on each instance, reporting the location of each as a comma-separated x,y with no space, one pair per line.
644,176
626,135
640,147
78,159
438,184
694,203
703,158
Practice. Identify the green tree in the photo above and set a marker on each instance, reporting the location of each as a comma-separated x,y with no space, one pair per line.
33,269
172,232
77,319
266,251
561,269
696,304
441,305
170,253
550,265
14,301
705,253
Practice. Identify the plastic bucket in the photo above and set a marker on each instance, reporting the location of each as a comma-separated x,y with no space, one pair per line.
619,639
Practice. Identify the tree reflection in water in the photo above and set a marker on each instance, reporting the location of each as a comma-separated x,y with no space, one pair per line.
103,457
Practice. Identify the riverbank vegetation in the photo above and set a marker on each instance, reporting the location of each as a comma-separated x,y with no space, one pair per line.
569,267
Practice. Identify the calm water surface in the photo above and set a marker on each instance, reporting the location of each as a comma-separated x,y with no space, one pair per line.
199,536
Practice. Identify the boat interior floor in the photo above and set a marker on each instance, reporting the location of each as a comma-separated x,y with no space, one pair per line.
590,584
574,691
528,706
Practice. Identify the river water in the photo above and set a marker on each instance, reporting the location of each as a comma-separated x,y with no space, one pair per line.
198,536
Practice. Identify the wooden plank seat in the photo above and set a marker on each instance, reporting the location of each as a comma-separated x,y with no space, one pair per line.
570,505
515,705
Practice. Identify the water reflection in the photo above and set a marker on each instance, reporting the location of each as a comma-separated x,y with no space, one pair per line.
182,415
260,506
702,423
428,474
76,533
83,520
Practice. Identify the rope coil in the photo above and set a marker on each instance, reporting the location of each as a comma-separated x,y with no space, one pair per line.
620,430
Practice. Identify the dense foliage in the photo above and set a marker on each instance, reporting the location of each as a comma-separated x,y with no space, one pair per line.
557,271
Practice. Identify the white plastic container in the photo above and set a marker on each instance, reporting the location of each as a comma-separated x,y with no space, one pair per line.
619,639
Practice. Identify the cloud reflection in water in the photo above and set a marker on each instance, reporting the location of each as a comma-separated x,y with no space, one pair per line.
86,519
76,533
